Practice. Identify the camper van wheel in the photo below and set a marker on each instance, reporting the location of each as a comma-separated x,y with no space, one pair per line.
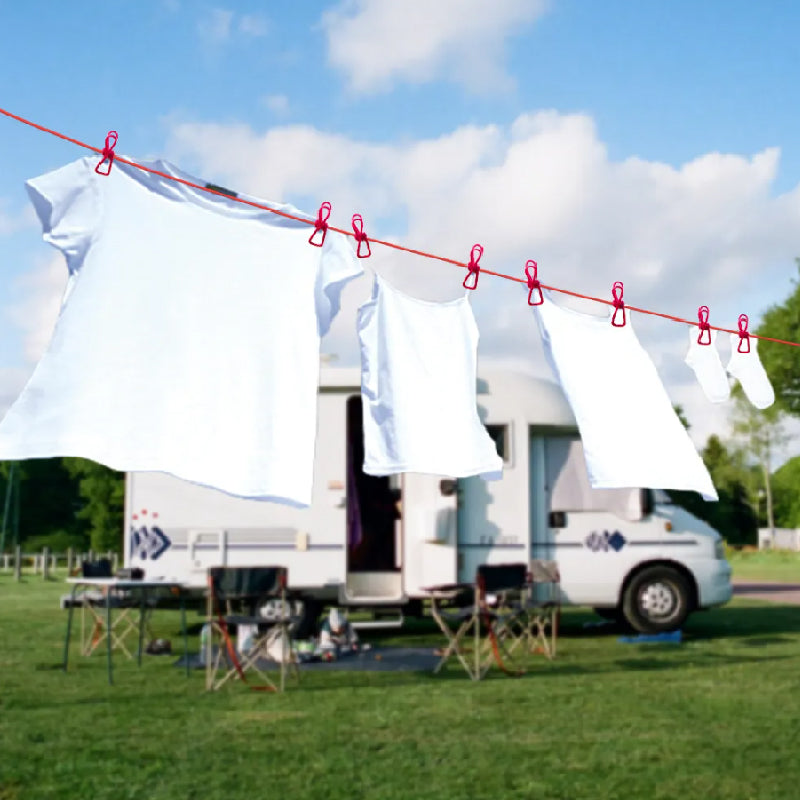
656,600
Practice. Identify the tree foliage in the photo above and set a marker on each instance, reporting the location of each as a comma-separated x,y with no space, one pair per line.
102,494
733,514
782,363
786,491
760,434
49,501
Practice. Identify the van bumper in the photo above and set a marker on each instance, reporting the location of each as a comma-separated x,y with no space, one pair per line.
714,585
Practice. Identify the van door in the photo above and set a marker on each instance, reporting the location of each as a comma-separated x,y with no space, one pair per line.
587,531
429,512
372,522
492,517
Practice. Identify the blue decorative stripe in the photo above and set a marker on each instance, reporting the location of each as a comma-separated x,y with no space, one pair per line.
546,545
663,542
628,543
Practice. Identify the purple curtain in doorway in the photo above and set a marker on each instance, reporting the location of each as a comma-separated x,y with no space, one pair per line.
354,529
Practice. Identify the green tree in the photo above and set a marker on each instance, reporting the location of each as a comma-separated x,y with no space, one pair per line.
732,515
782,363
786,494
760,433
48,502
102,494
681,414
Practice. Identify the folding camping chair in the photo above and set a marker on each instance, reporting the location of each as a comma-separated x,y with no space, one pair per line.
235,595
543,608
494,607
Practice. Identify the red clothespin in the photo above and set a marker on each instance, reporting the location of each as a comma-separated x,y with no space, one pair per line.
619,305
705,328
361,237
321,224
744,336
533,282
108,154
473,267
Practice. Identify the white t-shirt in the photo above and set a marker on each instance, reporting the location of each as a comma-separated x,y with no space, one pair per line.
419,388
631,435
188,339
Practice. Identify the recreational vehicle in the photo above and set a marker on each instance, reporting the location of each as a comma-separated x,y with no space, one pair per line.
377,542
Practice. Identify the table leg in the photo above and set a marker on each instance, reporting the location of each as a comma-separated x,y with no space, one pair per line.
70,611
108,633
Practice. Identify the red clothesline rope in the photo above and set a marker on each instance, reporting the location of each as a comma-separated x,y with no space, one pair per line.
454,262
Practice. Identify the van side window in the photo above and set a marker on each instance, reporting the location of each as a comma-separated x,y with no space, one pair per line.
500,434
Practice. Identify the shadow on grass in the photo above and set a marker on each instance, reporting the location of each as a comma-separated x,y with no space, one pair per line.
768,620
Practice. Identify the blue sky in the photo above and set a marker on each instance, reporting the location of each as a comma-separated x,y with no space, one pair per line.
614,129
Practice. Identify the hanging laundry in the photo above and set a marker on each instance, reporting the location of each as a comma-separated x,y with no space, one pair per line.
188,338
631,435
747,368
419,388
705,362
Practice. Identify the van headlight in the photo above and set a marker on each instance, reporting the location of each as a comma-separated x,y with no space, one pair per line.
719,550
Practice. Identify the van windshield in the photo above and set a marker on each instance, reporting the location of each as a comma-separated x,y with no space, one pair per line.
661,498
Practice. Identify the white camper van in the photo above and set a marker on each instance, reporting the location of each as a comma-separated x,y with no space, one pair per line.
371,542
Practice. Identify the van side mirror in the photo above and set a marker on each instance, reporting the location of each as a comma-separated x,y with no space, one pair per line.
448,487
557,519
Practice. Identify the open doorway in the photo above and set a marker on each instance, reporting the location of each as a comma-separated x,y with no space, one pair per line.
372,505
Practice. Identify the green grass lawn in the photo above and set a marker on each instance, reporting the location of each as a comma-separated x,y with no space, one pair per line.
765,565
717,717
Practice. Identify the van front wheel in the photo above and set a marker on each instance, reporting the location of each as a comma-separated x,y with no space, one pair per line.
656,600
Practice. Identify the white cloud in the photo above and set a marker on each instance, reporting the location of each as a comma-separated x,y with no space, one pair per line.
708,232
378,42
35,314
13,221
254,25
219,26
278,104
12,380
215,27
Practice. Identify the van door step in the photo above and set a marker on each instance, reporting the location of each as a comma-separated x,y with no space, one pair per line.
392,622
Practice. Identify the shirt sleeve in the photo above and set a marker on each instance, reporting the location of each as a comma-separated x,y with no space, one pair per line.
67,203
338,265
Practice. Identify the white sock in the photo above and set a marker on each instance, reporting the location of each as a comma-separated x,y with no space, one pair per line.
749,371
704,360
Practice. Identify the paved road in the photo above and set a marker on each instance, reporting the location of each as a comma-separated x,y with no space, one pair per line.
784,593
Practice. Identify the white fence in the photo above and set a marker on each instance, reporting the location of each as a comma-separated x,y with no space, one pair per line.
46,563
779,538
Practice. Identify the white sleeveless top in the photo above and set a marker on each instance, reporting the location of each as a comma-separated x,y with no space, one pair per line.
631,435
418,385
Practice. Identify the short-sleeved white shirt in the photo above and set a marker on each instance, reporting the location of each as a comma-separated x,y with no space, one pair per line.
188,338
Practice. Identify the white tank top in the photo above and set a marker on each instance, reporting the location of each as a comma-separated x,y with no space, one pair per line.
418,385
631,435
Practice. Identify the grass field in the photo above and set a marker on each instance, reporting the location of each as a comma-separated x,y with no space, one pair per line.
766,565
716,717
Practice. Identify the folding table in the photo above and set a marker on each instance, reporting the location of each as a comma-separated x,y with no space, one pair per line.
116,630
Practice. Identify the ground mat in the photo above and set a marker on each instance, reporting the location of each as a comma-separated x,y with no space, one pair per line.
379,659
